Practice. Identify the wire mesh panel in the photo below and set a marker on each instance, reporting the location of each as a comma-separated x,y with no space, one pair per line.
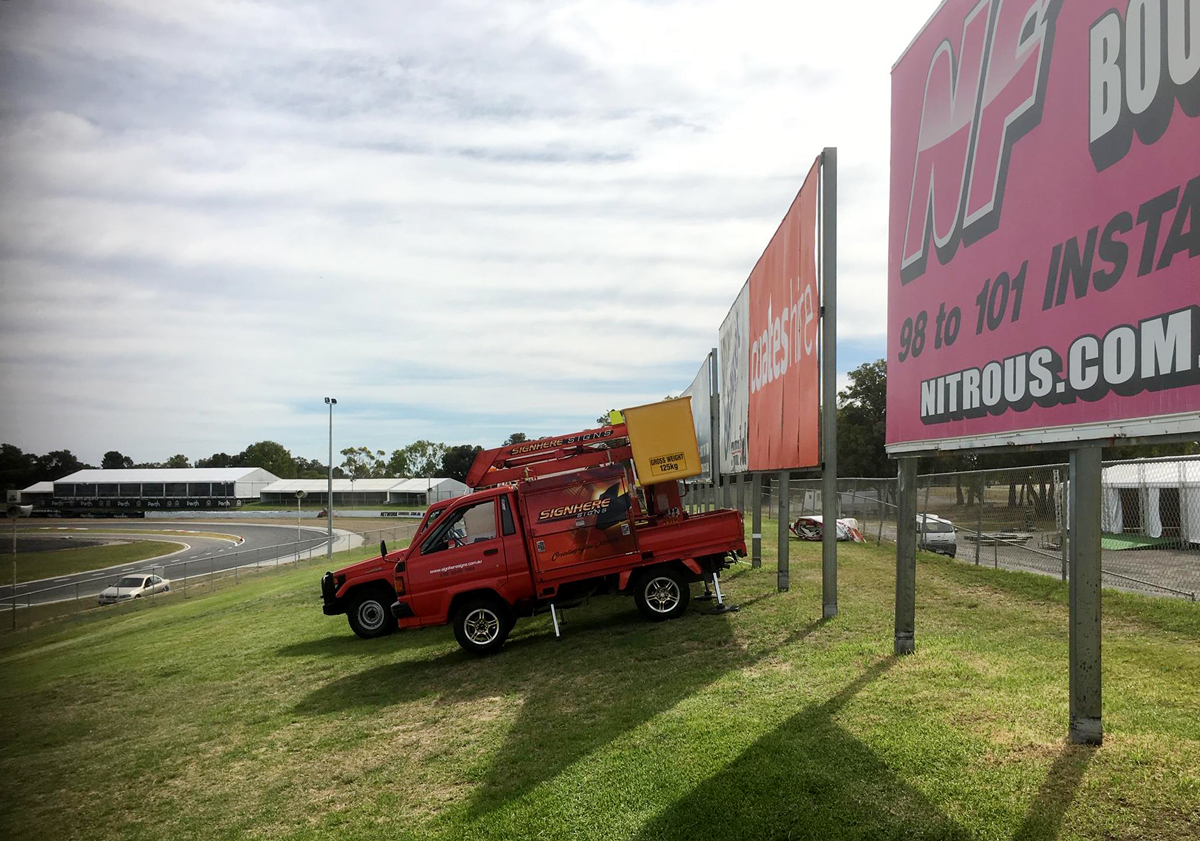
1017,518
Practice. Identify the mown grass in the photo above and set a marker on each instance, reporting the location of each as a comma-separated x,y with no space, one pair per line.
249,714
32,566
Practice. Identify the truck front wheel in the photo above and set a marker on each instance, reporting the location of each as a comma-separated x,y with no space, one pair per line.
481,626
368,614
662,594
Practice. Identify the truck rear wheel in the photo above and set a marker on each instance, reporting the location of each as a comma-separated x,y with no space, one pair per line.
662,594
368,614
481,626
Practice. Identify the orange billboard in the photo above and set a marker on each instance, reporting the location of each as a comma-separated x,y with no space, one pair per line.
785,323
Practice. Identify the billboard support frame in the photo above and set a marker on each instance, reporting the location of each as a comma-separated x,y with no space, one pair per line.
827,249
784,497
1084,492
906,557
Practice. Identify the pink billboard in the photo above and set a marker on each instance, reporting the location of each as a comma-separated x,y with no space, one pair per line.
1044,237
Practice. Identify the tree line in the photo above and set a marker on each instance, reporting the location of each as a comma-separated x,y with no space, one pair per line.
419,460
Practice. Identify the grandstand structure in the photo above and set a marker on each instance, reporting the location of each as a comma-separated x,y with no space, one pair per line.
136,490
398,491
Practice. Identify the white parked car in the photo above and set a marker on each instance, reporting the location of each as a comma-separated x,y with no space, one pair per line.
134,587
937,535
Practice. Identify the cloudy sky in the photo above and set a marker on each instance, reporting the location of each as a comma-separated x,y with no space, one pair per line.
460,219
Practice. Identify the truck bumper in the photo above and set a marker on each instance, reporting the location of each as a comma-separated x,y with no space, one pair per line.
332,604
402,610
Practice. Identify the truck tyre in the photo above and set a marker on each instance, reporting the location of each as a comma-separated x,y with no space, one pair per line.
661,593
481,625
368,614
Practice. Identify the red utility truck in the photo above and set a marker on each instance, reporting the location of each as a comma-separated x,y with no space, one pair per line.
551,523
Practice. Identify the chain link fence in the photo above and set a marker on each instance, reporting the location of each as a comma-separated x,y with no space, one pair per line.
1015,518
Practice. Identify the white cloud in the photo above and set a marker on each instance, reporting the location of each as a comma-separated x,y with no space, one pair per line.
457,217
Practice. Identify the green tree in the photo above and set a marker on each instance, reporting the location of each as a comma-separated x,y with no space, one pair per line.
56,464
218,460
362,463
424,458
179,460
862,423
270,456
310,468
113,460
457,461
515,438
17,468
398,464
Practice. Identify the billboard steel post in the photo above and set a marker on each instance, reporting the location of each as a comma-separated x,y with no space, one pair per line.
756,521
906,556
741,493
829,497
1084,589
784,497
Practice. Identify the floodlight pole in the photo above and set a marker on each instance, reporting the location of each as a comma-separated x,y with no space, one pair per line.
331,402
829,467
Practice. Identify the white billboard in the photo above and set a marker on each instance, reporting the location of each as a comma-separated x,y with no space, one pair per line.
734,384
701,393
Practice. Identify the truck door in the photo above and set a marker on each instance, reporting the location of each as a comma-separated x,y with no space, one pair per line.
461,552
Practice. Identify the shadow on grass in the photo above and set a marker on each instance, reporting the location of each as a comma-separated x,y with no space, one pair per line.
609,674
1044,819
808,778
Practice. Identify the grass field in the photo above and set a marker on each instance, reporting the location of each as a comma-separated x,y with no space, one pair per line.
32,566
249,714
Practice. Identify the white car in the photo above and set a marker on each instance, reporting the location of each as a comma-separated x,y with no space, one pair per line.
937,535
134,587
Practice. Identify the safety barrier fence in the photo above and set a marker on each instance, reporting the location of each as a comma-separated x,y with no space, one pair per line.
1014,518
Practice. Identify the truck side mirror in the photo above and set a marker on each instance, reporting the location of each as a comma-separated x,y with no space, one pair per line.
383,549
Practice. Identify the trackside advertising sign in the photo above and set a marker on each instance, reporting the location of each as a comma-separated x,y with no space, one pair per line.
785,324
1044,241
700,392
734,356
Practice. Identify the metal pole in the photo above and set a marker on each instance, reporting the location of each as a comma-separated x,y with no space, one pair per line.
1062,523
297,530
829,469
882,514
741,493
756,521
1084,598
906,557
784,482
329,496
924,530
979,530
14,554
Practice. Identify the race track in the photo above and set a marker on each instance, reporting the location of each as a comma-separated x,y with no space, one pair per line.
261,545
